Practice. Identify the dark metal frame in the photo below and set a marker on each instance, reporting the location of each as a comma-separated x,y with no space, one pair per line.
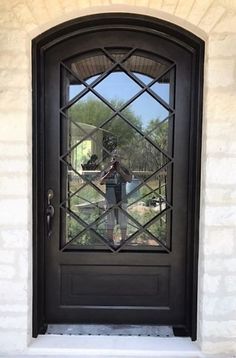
67,30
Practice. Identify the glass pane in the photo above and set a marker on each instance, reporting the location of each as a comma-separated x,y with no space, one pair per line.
147,110
115,226
87,203
146,64
144,239
89,113
162,87
87,239
160,133
90,65
143,78
74,90
159,229
147,209
71,85
148,200
151,190
133,149
73,228
112,88
116,156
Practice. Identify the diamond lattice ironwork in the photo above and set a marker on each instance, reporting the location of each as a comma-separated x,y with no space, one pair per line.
124,205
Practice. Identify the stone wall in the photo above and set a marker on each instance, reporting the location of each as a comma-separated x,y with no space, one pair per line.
212,20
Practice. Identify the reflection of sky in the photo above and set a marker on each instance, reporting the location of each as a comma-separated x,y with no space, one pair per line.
119,86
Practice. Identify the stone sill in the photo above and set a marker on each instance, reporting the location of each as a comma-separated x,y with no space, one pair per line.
112,346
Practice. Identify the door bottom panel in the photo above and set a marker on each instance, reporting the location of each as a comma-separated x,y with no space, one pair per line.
115,286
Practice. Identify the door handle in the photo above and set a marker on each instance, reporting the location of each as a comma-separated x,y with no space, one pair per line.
49,213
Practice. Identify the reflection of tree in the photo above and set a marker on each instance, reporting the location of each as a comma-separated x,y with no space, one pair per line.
90,111
95,112
158,132
140,154
137,152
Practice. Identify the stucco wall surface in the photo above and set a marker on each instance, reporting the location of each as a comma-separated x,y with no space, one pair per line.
212,20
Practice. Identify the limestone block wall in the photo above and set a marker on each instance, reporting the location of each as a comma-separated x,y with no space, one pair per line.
212,20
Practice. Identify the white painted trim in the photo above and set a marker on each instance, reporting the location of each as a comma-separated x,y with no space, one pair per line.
113,346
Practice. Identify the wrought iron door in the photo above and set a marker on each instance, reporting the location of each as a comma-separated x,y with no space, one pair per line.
117,137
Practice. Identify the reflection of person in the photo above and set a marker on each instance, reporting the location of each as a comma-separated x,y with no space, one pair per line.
115,179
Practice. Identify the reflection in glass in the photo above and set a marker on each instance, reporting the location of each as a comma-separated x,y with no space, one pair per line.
162,88
147,209
115,179
135,151
116,226
146,64
90,66
85,239
112,87
155,235
73,228
89,113
74,90
144,239
148,110
158,132
87,203
159,229
117,166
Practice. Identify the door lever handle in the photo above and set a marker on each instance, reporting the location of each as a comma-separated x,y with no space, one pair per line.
49,213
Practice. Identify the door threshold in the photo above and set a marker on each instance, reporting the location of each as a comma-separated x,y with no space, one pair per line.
113,346
110,330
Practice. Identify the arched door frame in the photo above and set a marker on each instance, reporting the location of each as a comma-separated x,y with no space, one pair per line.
67,30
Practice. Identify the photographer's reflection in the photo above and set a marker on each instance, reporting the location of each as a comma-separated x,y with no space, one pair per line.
115,179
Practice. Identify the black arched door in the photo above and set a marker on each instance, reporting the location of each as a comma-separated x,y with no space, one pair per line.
117,177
